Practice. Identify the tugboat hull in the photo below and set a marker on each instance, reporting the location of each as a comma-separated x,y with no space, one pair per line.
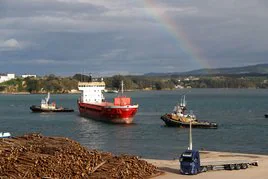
39,109
266,115
196,124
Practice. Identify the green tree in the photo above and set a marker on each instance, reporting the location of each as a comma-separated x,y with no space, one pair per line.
32,85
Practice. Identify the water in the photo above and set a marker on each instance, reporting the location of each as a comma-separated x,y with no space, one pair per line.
238,112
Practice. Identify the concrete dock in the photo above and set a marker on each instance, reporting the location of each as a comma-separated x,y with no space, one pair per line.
171,167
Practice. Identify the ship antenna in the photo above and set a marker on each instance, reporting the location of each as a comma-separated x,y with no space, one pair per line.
183,103
81,75
90,77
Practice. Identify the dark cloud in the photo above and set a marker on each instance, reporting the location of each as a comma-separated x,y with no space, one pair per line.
111,37
30,8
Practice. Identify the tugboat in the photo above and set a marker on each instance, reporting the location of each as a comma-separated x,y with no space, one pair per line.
46,106
266,115
92,104
178,118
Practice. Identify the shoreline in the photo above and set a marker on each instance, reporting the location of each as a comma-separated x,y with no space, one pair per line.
28,93
131,90
171,167
16,93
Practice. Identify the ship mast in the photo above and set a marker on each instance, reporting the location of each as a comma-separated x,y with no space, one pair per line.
48,97
183,101
122,87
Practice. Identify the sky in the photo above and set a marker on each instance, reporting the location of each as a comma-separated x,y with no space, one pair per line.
110,37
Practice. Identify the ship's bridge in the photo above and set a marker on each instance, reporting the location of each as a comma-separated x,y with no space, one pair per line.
96,84
92,91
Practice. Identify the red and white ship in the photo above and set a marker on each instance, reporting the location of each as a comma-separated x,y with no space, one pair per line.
92,104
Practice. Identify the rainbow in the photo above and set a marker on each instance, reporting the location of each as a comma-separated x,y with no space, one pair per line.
177,31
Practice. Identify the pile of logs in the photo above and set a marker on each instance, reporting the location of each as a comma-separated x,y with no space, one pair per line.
37,156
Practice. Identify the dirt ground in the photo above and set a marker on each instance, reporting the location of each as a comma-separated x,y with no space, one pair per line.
171,167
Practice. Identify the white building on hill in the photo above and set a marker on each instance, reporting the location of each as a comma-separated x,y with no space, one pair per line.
6,77
26,76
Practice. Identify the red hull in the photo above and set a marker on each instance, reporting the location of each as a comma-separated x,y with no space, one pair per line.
108,112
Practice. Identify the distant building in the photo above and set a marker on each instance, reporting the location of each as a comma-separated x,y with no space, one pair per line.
6,77
179,86
28,76
191,78
186,79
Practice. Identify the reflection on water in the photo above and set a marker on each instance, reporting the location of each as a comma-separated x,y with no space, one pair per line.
90,134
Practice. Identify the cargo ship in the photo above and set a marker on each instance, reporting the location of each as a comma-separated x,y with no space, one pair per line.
92,103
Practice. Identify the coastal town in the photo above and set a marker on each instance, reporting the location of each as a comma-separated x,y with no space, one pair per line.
32,83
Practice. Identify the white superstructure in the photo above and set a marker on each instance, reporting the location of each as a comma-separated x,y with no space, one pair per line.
45,103
91,91
7,77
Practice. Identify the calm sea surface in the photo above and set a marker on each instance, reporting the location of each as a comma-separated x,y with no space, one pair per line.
238,112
